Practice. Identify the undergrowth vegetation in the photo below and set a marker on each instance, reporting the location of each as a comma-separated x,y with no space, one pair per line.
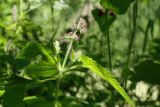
79,53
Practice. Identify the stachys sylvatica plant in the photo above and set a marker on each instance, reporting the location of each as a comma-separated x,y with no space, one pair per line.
42,65
38,64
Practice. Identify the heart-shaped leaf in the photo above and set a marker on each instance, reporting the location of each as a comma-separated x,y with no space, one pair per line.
104,19
118,6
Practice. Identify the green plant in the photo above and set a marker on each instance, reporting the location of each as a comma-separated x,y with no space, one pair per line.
98,62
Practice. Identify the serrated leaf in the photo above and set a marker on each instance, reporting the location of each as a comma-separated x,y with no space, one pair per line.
41,70
13,96
75,55
33,49
118,6
106,75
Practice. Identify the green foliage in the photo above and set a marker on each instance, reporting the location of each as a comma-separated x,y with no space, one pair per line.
104,19
147,71
43,46
13,96
106,75
118,6
41,70
35,101
33,49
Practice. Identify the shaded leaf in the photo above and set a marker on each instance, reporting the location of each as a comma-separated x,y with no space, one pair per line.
71,101
148,71
33,49
20,63
155,49
106,75
104,19
118,6
35,101
14,79
41,70
13,96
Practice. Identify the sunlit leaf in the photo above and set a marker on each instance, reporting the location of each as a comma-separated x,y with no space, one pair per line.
1,91
35,101
106,75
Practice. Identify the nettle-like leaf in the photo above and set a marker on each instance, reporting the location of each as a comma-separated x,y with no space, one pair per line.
33,49
118,6
41,70
39,64
106,75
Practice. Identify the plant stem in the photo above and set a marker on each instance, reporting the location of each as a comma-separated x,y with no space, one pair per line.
21,8
132,39
131,43
107,34
61,71
145,41
109,49
110,64
57,88
67,53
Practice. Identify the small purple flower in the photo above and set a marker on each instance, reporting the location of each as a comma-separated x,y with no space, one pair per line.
74,36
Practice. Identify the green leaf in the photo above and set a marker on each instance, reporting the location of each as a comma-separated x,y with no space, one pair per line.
35,101
16,79
148,71
106,75
70,101
41,70
118,6
1,91
33,49
104,19
13,96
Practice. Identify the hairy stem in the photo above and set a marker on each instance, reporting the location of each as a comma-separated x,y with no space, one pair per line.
57,89
61,71
67,53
